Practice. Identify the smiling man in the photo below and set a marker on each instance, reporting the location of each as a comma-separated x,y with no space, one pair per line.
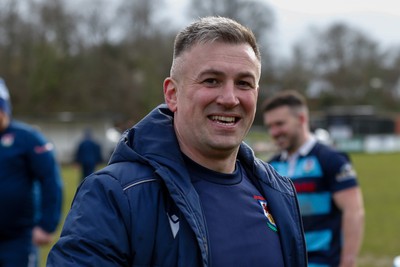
182,189
330,198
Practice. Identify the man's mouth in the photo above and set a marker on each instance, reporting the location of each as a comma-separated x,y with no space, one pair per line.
280,140
224,119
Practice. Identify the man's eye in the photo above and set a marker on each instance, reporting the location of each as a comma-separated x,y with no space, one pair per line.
245,84
210,81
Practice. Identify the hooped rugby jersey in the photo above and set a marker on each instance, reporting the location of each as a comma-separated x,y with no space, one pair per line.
318,171
241,228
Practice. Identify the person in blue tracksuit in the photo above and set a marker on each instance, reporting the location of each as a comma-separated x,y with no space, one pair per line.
181,188
330,198
88,154
30,189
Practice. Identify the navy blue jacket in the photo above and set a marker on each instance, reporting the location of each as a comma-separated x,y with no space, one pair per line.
27,160
122,215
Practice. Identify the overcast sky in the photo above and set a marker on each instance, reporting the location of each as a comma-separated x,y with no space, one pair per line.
380,19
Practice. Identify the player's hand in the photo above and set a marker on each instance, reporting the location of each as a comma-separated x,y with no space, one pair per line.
41,237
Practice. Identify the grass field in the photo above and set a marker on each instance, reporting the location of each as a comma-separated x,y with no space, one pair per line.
379,176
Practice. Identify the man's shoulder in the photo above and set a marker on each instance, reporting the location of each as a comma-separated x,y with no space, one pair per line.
26,132
334,162
129,173
328,153
22,127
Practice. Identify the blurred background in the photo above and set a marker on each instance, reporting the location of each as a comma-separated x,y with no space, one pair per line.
75,64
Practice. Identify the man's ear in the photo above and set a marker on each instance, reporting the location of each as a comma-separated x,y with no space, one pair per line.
303,118
170,93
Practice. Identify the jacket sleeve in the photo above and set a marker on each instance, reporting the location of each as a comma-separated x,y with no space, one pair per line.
45,169
96,230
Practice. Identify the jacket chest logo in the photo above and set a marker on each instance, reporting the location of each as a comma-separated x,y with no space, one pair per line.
270,220
174,224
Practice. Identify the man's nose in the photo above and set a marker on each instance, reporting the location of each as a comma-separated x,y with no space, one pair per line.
228,95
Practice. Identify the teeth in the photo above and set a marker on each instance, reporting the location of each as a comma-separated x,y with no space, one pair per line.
223,119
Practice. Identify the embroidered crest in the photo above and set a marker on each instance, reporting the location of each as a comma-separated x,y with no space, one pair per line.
309,165
7,140
263,203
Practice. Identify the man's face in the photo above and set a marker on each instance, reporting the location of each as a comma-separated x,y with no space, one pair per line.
214,95
285,127
4,120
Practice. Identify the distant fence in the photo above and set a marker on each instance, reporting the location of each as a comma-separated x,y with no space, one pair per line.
66,133
384,143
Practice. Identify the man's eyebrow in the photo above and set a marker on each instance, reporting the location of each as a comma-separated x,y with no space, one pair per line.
247,74
221,73
212,72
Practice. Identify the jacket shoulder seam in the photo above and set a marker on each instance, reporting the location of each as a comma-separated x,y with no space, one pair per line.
136,183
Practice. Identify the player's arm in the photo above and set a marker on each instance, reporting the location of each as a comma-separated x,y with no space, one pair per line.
45,169
351,203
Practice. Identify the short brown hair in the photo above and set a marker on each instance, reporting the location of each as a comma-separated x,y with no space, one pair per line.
291,98
209,29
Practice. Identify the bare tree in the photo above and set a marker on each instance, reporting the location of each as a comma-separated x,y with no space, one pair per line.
346,59
254,14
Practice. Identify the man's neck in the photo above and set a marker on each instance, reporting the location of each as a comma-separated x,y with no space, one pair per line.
303,140
219,163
